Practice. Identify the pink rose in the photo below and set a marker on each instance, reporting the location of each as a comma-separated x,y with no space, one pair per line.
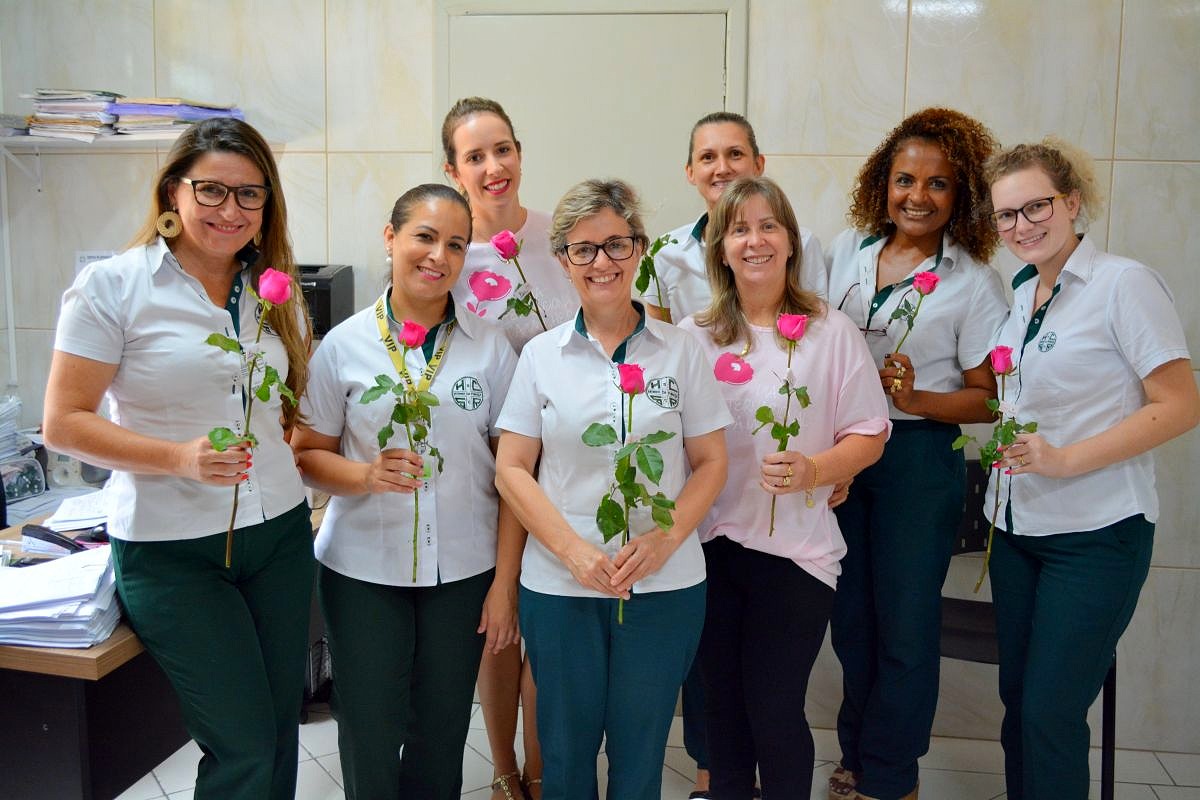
1001,356
925,282
506,245
274,286
792,326
633,378
412,335
733,369
487,285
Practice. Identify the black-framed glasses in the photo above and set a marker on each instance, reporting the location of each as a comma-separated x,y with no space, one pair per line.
251,197
1038,210
869,331
618,248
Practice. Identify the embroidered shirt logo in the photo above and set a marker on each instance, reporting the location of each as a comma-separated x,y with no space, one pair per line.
467,393
663,392
1047,342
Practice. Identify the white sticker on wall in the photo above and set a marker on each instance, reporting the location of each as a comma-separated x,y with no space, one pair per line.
85,257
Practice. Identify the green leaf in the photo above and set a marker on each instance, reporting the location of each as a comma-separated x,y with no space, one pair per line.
284,391
385,433
793,429
961,442
1030,427
802,396
223,438
372,394
223,342
271,376
400,413
785,389
642,282
631,491
650,462
433,451
993,404
764,415
419,432
626,450
661,499
624,471
427,398
662,517
263,393
610,517
657,437
598,434
778,432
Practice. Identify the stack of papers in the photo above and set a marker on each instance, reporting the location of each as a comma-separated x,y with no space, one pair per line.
76,114
82,511
150,117
68,602
13,125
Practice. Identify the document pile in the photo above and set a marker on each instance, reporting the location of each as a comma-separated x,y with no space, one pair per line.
68,602
158,117
81,115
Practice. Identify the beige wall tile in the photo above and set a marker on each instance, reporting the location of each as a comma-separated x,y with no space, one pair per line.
1153,220
362,189
825,77
88,202
268,58
1158,107
1176,465
303,176
75,44
380,75
1025,68
34,348
818,188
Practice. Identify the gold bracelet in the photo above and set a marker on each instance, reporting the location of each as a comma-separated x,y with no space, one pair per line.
808,493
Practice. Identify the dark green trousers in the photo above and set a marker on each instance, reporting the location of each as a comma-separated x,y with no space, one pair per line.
1062,602
899,524
233,643
404,667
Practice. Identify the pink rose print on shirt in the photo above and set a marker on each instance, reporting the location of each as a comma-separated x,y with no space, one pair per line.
487,285
734,369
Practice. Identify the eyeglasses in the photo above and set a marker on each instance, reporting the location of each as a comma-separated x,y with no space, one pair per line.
1038,210
251,197
617,248
870,331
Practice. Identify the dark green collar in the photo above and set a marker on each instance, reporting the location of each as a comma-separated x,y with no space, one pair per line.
431,336
698,228
1025,273
618,355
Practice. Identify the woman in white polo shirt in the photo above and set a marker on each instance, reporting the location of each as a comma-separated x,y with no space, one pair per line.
408,620
1101,364
772,592
721,149
915,209
483,158
597,676
233,638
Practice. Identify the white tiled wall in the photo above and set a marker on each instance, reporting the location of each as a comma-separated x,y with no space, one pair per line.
344,88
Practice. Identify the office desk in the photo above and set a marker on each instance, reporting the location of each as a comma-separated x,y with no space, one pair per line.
83,723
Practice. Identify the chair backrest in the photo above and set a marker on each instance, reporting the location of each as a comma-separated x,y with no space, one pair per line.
972,531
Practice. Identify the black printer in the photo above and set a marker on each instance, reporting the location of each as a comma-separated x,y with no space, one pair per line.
329,291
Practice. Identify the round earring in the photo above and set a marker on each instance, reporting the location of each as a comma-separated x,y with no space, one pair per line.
169,224
388,258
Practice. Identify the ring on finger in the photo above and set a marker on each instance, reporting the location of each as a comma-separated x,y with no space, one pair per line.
900,372
787,480
896,384
790,472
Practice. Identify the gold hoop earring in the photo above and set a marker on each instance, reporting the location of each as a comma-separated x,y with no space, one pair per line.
169,224
257,238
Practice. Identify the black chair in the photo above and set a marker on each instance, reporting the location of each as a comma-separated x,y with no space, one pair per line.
969,626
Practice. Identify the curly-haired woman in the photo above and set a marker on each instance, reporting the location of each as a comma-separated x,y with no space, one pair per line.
915,208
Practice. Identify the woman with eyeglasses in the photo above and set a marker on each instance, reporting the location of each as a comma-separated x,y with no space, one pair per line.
232,636
611,629
771,542
915,208
1101,364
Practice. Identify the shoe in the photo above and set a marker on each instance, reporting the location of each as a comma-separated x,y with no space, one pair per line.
910,796
699,794
506,784
841,785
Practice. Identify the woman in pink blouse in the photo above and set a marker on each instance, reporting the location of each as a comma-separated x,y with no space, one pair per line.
755,658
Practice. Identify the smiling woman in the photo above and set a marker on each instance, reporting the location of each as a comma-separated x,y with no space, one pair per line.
409,615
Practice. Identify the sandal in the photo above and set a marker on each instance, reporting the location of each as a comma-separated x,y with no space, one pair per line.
506,784
842,784
527,785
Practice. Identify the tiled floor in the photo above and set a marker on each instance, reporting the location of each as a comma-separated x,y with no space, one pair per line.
954,769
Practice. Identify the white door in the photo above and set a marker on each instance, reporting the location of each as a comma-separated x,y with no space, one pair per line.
596,95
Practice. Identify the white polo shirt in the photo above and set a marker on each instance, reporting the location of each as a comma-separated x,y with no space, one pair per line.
683,276
833,362
565,382
141,311
957,322
487,282
1080,361
369,536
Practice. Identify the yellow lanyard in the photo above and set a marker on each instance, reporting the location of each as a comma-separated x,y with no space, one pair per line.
389,342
